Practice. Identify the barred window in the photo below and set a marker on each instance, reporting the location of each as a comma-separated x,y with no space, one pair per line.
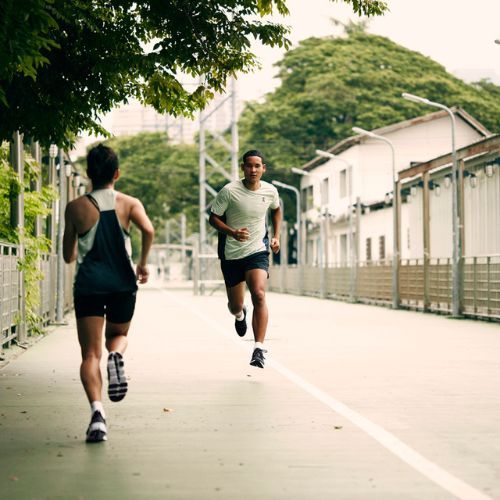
381,247
368,249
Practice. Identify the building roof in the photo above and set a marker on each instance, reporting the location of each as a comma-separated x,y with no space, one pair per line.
478,148
356,139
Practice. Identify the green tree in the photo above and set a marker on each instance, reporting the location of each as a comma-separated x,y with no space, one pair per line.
63,63
330,84
163,176
36,204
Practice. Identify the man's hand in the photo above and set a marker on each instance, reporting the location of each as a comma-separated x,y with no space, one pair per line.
142,273
241,234
275,245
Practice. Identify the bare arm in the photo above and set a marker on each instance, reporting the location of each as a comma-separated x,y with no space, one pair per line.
70,236
241,234
276,221
140,219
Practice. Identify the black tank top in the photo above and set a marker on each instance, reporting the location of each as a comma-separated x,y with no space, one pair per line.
106,268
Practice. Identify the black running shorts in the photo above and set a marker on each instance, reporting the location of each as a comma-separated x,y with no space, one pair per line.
118,307
234,270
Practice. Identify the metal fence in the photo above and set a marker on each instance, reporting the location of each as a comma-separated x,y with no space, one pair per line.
207,274
422,286
9,292
482,286
11,301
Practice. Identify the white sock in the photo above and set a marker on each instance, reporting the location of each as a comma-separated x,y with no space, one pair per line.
239,317
97,406
259,345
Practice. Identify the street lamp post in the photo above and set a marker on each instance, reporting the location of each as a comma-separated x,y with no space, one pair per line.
395,223
456,223
299,236
352,260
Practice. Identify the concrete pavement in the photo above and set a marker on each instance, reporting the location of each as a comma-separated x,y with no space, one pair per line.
358,402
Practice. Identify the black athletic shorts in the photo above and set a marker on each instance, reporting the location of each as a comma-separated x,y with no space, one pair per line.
234,270
118,307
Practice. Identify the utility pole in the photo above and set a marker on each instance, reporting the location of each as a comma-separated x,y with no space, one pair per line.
207,164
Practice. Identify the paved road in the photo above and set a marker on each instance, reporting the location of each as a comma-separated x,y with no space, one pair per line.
357,402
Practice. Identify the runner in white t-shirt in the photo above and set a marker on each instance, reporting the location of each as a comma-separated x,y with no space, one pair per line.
239,213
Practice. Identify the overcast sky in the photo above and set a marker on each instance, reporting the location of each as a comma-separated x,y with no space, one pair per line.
459,34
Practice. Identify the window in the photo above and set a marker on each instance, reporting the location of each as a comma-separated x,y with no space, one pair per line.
343,248
325,187
381,247
343,183
368,249
307,198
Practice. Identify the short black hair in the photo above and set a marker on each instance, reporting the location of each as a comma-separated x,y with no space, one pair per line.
253,152
102,163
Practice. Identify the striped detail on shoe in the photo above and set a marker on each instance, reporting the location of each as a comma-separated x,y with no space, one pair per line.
97,431
117,384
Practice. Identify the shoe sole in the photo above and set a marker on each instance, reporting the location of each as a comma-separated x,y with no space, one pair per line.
96,432
257,364
117,385
96,437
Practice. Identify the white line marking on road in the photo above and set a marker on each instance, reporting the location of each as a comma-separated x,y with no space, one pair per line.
429,469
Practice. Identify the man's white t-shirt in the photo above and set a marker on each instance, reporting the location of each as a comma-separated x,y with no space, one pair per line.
245,208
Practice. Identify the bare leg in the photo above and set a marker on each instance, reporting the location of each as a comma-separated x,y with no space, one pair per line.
90,338
116,336
236,297
256,282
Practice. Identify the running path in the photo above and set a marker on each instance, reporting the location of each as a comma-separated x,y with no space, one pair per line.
357,402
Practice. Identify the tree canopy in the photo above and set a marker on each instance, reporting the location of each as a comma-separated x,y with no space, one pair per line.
163,176
63,63
330,84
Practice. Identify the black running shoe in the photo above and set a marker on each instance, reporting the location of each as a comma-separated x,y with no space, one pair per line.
117,385
97,431
258,358
241,326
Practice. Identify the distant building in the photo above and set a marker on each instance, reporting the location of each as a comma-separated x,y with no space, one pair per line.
332,190
133,118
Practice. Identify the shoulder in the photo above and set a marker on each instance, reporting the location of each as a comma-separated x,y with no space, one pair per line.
229,188
232,186
267,186
127,200
74,206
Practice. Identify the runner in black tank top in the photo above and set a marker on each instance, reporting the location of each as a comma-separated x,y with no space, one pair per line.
105,287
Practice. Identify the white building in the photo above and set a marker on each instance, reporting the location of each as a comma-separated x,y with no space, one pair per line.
480,204
332,189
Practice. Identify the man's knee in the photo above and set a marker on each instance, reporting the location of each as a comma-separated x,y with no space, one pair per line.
258,296
91,355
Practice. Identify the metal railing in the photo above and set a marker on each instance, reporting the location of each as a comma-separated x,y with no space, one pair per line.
9,292
422,286
11,300
207,273
482,286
